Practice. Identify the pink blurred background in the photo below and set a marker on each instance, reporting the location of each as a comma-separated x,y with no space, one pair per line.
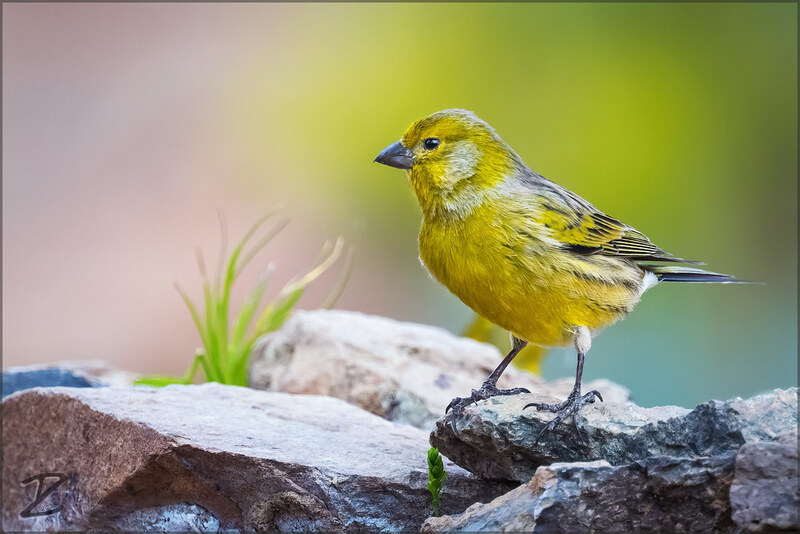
123,136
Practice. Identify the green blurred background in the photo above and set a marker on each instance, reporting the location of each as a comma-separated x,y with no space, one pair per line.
126,126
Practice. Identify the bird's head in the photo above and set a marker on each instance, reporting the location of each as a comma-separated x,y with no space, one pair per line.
451,157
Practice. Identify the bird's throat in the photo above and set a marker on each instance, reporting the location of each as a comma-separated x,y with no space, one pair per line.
442,198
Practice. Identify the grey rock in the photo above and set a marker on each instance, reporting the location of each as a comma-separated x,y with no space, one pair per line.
498,439
215,457
66,373
403,372
99,370
21,378
659,494
176,517
764,494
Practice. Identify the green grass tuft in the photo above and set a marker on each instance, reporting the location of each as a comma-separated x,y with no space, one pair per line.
436,477
228,339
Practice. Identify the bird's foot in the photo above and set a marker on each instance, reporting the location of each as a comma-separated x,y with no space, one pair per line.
487,390
571,406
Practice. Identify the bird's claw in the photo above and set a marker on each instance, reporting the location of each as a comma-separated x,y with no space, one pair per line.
570,402
571,406
487,390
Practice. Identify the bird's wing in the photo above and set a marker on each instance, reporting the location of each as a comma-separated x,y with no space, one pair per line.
584,229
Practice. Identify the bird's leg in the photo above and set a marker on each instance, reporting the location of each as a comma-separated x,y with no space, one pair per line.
572,404
489,386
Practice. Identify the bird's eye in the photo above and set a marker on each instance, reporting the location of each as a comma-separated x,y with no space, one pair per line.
431,143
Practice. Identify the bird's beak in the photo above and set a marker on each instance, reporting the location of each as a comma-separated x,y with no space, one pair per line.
397,156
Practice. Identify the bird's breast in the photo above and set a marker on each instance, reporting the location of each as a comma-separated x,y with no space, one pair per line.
476,259
518,279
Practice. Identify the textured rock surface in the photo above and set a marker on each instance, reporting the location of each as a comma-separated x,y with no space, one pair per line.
217,457
659,494
403,372
497,439
764,494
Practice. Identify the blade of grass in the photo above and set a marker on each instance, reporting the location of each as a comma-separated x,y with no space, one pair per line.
321,267
161,380
239,371
337,290
157,380
269,322
280,225
221,321
275,314
223,248
249,234
247,313
189,376
203,359
239,348
213,339
195,317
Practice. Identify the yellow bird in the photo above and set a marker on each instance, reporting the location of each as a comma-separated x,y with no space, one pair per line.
520,250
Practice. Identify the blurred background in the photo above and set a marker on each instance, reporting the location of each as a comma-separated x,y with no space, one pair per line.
126,127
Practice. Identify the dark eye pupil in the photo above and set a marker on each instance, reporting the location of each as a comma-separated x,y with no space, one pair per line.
430,143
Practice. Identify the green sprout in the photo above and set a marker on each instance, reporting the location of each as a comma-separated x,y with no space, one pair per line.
436,476
227,344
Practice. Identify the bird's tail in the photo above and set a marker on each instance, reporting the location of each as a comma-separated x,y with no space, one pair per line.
675,273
